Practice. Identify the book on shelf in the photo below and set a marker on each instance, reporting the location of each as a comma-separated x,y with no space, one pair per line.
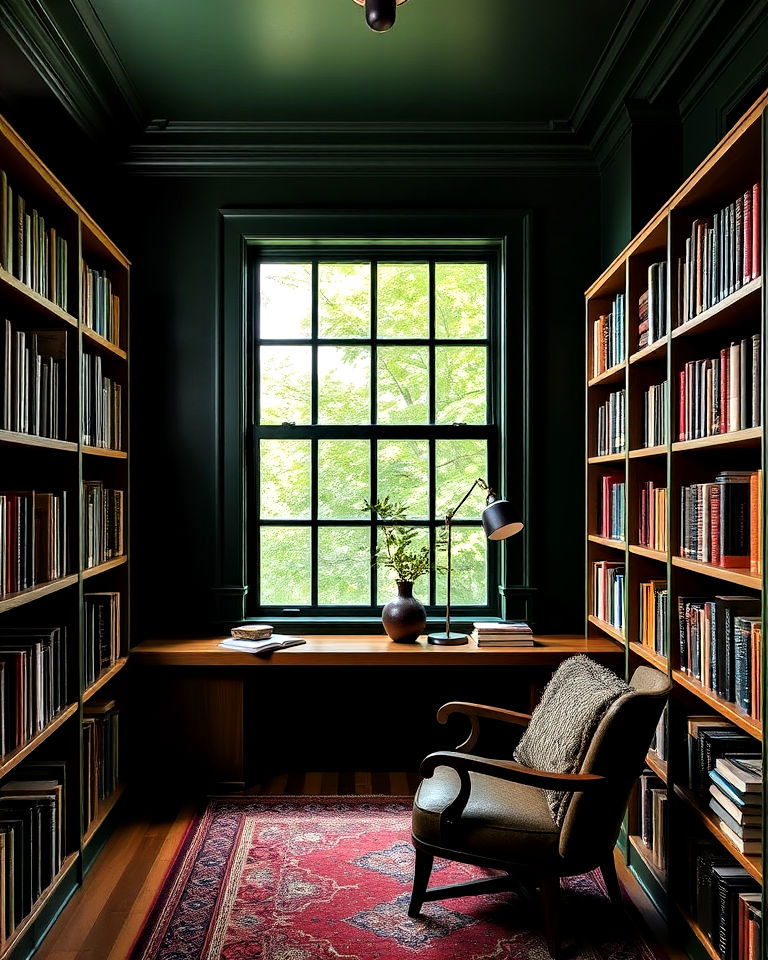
611,513
652,815
100,304
101,633
103,523
710,738
33,539
720,642
652,532
736,799
102,407
608,337
655,413
721,394
608,580
749,921
101,752
716,520
654,599
722,254
512,634
660,742
719,884
611,424
33,380
265,645
652,307
756,523
31,249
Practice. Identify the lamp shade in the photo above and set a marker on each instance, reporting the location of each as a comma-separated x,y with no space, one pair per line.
500,520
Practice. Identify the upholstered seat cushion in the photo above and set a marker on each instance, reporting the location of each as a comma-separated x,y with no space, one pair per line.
502,821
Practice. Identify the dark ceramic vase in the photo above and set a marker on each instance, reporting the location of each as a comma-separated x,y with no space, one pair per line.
404,618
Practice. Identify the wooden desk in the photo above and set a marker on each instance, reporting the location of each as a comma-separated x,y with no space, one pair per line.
214,715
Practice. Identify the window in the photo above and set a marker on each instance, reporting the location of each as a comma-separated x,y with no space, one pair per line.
371,376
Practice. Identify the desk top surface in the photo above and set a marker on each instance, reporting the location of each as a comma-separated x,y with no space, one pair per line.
338,650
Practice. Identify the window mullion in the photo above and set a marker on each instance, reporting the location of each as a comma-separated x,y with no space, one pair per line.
432,443
374,444
313,493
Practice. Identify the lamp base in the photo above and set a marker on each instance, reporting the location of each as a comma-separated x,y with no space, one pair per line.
448,639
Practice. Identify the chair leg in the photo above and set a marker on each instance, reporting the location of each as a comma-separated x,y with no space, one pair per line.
608,870
550,902
421,874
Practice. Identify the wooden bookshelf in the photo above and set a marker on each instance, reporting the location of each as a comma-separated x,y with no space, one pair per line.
646,855
106,807
724,176
50,465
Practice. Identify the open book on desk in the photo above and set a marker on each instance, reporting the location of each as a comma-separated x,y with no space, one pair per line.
275,642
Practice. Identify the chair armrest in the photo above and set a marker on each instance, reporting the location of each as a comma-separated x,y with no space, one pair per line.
464,764
476,711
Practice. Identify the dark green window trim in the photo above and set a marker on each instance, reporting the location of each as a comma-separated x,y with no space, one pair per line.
503,235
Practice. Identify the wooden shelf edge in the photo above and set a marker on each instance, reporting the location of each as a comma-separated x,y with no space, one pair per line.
738,575
607,542
34,299
658,451
106,807
656,659
646,856
103,567
608,628
648,552
13,600
606,458
659,766
14,758
102,342
753,865
39,904
698,933
30,440
751,288
104,452
724,707
104,679
609,375
658,346
733,438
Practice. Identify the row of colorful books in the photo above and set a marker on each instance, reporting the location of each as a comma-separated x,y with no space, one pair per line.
655,414
652,307
102,408
721,521
34,381
100,304
736,799
30,248
608,337
611,509
608,583
654,615
723,393
652,519
34,539
611,424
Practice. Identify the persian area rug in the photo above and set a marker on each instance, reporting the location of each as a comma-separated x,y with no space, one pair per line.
328,878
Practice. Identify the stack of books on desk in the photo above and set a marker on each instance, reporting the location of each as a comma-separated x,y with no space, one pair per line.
516,634
258,638
736,799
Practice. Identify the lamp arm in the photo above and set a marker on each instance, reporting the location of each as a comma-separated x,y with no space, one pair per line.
478,483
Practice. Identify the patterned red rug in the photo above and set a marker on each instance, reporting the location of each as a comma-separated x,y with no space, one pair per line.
328,878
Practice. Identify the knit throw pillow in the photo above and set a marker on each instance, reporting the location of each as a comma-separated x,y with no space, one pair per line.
562,725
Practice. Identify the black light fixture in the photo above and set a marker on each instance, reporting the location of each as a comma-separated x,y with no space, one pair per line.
380,14
500,520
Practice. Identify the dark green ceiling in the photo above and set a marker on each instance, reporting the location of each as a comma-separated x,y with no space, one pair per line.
300,60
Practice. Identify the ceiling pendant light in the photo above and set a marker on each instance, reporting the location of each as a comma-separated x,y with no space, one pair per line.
380,14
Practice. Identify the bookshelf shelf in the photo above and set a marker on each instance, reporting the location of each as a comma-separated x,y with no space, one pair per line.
607,458
104,452
648,552
653,351
647,452
738,575
104,679
43,443
724,313
612,375
646,856
30,299
13,600
14,758
753,865
723,707
659,766
106,807
608,628
607,542
696,930
645,652
738,438
102,342
103,567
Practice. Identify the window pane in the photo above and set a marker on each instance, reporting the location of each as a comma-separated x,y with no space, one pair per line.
386,580
458,463
343,478
285,301
285,479
461,300
344,565
469,554
403,474
460,385
286,562
285,376
344,384
402,300
403,384
344,299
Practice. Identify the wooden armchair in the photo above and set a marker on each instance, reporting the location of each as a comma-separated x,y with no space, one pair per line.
494,813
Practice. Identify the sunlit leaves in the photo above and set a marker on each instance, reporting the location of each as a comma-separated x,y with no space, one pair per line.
402,300
285,480
344,299
285,301
403,384
461,300
403,474
344,565
460,384
458,463
286,564
343,478
344,384
469,555
285,384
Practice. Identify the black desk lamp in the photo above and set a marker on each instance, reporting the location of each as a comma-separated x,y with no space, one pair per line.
499,522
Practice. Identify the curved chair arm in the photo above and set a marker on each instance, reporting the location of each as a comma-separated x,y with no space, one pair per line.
464,764
476,711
